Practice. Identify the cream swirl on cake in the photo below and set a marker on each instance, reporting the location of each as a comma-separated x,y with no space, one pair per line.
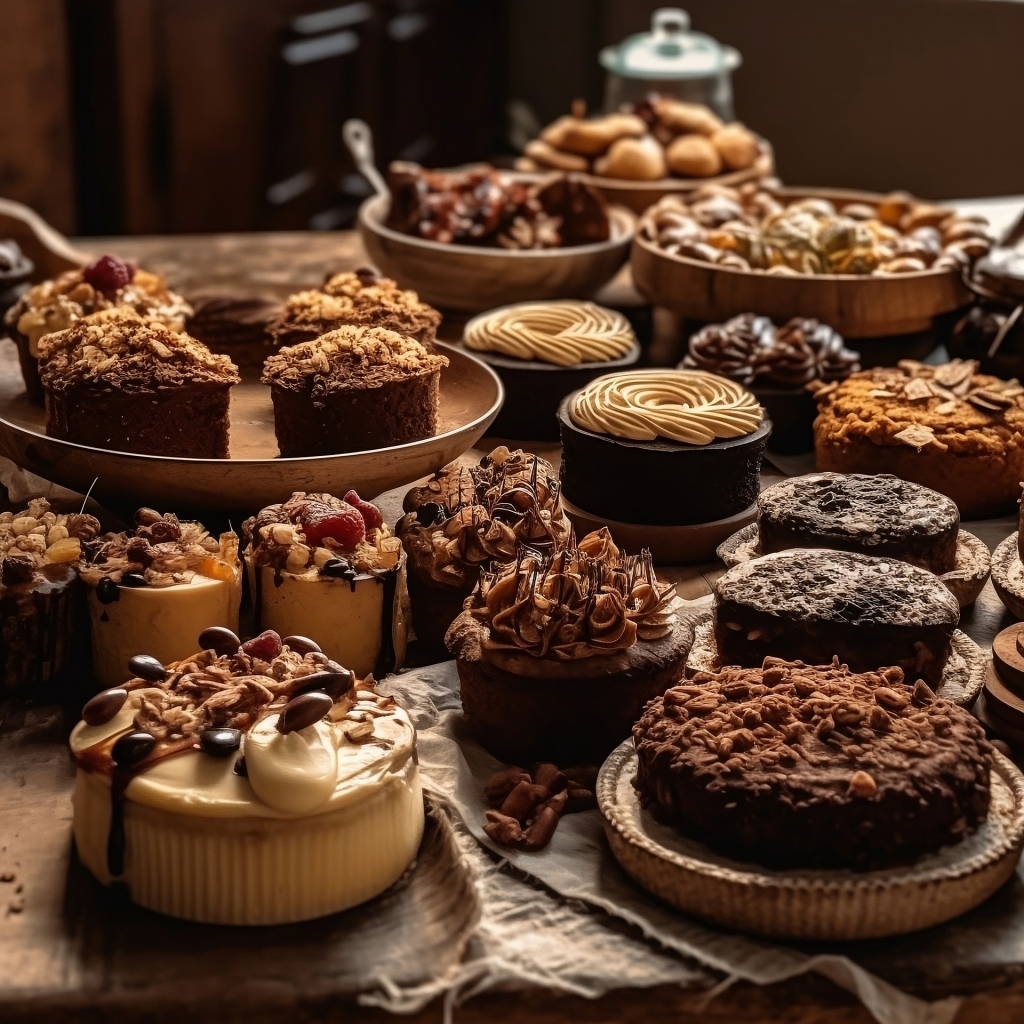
690,406
564,333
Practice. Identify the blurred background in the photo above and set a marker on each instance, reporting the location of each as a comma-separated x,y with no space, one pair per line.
147,116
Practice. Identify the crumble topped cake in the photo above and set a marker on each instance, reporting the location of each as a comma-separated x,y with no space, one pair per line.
331,568
113,380
37,550
203,782
353,389
947,427
150,586
796,766
106,283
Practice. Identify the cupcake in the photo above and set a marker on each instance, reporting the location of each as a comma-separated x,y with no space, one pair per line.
15,270
155,588
946,427
466,517
544,350
246,784
235,326
662,447
113,380
353,389
104,284
558,653
776,363
330,568
38,549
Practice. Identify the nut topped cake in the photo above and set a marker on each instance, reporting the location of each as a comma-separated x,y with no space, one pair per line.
155,587
360,299
116,381
812,605
202,784
557,653
947,427
796,766
353,389
330,567
106,283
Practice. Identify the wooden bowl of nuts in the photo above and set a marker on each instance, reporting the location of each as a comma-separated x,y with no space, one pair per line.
868,265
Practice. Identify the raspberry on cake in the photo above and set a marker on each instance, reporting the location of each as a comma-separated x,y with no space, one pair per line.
104,284
796,766
154,588
254,783
116,381
353,389
37,585
330,568
466,517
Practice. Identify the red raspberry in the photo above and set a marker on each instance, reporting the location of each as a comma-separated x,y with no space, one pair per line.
341,522
266,646
109,274
372,516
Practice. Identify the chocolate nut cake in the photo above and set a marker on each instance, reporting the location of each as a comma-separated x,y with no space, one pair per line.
351,390
113,380
796,766
812,605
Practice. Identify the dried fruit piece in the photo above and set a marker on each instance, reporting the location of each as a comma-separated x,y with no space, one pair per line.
372,516
267,646
341,523
109,274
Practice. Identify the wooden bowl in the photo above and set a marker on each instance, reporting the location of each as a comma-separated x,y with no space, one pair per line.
475,278
856,306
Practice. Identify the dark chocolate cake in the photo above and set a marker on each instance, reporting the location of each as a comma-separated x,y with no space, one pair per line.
237,326
792,766
874,514
812,605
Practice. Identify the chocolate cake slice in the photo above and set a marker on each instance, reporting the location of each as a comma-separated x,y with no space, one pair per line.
875,514
113,380
237,326
813,605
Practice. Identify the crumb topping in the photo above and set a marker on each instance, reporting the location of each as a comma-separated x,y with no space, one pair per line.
38,537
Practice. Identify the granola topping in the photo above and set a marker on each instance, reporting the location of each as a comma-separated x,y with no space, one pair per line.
38,537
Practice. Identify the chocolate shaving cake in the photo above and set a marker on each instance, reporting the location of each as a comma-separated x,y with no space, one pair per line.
237,326
812,605
795,766
351,390
113,380
878,515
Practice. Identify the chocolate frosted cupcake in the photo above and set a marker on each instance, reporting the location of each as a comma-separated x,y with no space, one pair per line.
776,363
466,517
113,380
352,390
542,351
362,299
104,284
557,654
237,327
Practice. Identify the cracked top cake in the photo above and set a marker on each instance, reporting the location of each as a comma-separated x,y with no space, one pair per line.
353,389
114,380
796,766
947,427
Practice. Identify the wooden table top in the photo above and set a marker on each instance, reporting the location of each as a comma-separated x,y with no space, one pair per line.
48,972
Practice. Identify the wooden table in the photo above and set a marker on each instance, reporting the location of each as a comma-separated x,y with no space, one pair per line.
49,972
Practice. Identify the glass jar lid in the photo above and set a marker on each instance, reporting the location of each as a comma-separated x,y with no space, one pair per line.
669,51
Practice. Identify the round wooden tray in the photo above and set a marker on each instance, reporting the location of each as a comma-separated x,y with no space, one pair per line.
829,905
856,306
471,395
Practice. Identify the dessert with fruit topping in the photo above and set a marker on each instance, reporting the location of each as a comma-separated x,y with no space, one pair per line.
946,427
795,766
155,587
38,549
558,653
247,783
360,299
466,517
106,283
777,364
353,389
116,381
235,326
330,568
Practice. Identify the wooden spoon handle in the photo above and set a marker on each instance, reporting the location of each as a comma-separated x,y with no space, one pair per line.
45,246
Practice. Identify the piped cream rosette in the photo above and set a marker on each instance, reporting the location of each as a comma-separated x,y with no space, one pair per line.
690,406
563,333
